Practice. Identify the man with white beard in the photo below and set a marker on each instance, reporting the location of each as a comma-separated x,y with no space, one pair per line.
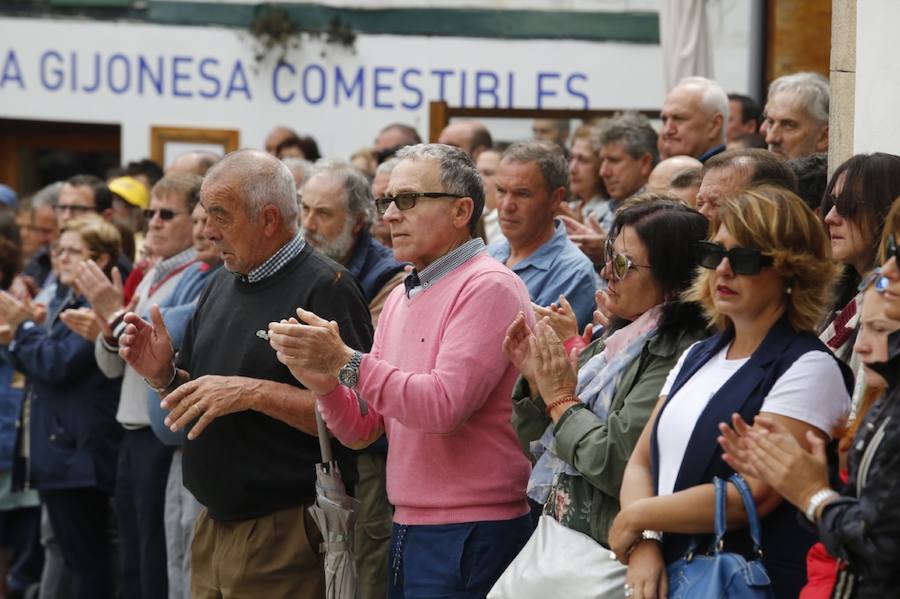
336,212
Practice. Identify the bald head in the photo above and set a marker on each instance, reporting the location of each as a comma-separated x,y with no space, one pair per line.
277,136
256,179
195,163
470,136
664,172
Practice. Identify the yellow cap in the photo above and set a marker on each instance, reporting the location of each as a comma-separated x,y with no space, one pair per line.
131,190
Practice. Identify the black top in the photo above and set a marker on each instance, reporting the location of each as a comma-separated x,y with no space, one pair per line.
246,465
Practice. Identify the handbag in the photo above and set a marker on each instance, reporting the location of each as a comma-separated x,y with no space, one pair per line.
560,562
719,573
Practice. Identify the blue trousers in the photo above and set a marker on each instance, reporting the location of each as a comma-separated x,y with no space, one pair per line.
143,469
453,561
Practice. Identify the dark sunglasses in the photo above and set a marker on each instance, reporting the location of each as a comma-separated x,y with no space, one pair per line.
405,201
743,261
164,213
620,263
892,251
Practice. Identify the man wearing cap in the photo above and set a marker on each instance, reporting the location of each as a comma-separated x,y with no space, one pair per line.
143,460
130,199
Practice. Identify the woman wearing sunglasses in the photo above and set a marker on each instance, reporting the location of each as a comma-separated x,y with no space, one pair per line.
582,428
857,198
73,436
764,281
861,525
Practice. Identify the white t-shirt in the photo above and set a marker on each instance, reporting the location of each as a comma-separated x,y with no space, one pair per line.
812,391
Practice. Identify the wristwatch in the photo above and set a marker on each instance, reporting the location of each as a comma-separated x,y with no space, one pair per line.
349,374
652,535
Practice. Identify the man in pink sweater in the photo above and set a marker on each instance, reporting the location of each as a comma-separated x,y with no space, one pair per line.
436,381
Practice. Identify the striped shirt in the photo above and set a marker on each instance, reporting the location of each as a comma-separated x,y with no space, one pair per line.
166,267
438,269
288,252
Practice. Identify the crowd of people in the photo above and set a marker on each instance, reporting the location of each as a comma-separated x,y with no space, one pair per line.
593,326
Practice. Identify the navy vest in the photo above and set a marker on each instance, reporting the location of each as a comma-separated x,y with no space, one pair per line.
785,540
372,265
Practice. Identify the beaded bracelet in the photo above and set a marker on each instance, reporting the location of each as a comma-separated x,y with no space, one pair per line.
561,401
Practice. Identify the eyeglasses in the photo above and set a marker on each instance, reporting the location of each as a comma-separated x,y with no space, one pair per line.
164,213
62,250
407,200
620,263
875,277
74,208
743,261
892,251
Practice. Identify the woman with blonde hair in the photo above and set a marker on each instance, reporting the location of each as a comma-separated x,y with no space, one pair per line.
764,283
73,435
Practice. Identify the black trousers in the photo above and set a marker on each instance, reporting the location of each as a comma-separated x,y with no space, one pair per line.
80,521
140,506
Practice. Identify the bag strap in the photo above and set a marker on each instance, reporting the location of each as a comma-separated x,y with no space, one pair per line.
868,455
750,507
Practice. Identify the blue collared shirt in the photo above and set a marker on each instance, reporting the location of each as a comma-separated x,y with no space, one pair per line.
444,265
557,268
285,254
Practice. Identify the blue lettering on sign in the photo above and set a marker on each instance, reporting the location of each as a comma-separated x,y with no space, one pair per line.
441,74
238,81
276,77
574,92
481,89
56,72
314,100
217,87
145,72
382,88
74,79
97,78
340,85
541,91
178,75
110,74
405,83
12,72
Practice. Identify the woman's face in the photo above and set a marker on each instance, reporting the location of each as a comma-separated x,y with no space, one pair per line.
72,251
850,242
875,326
637,292
744,298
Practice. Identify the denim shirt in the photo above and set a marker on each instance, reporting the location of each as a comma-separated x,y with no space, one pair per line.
557,268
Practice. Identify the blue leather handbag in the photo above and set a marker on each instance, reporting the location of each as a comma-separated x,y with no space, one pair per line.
719,574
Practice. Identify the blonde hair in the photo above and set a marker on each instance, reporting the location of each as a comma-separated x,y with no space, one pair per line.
779,224
891,227
100,237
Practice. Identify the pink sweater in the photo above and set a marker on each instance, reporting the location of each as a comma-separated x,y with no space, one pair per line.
438,383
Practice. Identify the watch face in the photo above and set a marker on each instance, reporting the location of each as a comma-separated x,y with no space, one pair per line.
347,376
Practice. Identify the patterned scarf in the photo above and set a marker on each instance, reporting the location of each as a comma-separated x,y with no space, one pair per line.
840,333
596,387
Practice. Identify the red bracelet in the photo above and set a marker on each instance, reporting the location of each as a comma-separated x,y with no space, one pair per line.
562,401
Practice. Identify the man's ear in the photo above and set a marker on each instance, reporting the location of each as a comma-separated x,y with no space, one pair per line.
557,196
271,216
822,140
462,211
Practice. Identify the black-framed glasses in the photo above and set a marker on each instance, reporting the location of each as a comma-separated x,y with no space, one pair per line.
743,261
619,263
164,213
407,200
74,208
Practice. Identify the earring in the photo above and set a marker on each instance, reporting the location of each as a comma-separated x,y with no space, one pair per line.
789,290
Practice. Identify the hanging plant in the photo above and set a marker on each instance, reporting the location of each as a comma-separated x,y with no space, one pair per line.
274,30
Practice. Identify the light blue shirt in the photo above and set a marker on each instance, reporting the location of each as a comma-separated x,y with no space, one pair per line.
557,268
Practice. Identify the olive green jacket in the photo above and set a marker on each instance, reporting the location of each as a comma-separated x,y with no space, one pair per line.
600,450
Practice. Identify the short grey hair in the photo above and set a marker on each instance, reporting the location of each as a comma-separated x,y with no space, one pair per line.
713,98
387,166
549,157
458,173
357,190
299,165
634,131
812,90
47,195
259,179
